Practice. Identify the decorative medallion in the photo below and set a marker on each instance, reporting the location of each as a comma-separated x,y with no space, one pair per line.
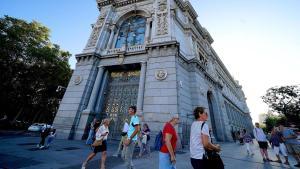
161,74
77,80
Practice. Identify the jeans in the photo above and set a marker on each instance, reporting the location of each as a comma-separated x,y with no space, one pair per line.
165,161
129,153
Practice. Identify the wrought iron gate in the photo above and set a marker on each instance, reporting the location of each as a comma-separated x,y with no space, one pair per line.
121,92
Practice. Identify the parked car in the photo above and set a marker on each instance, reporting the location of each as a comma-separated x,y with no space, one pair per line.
38,127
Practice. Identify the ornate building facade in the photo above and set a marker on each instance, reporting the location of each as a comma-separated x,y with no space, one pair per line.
153,54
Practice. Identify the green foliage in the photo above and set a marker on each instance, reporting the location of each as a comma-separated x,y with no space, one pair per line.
285,100
273,120
31,69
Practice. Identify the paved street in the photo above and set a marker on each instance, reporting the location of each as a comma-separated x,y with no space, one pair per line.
18,150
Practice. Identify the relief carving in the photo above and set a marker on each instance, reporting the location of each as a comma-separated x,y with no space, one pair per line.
96,30
162,18
162,5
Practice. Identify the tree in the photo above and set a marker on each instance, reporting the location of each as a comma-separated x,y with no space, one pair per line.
31,69
273,120
285,100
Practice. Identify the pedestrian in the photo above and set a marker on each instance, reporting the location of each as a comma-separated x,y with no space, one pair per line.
131,140
233,136
262,142
44,133
167,158
241,137
145,140
91,136
51,137
291,142
247,140
200,139
123,137
276,142
237,135
101,134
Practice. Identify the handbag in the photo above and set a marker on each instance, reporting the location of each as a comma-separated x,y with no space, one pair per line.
212,158
97,143
144,139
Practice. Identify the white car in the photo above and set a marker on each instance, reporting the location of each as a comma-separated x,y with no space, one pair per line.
38,126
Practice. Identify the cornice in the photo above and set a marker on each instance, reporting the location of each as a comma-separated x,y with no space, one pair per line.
83,56
116,3
187,6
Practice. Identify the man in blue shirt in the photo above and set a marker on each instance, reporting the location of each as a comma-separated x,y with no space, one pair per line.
132,133
291,142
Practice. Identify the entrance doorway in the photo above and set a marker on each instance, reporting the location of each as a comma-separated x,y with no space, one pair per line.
121,92
211,114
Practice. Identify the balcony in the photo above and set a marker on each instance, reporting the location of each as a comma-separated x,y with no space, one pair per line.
131,49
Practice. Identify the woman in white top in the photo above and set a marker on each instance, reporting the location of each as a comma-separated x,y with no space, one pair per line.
200,139
101,134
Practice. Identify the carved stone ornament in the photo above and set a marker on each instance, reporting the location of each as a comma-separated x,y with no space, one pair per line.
161,74
96,31
162,18
77,80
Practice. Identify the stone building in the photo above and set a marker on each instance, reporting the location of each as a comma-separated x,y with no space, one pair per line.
153,54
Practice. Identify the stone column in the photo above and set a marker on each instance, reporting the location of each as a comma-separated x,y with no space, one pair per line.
89,112
141,87
147,32
95,90
112,34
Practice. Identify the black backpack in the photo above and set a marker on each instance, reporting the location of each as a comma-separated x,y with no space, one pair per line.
158,141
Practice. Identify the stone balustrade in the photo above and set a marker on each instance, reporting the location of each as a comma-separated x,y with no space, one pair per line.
135,48
113,51
129,49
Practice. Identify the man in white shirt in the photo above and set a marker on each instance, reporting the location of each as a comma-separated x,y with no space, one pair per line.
123,137
262,142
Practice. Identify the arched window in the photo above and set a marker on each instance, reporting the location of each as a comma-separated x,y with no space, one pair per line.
132,32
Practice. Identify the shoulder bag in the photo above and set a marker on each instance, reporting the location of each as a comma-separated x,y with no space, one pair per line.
212,158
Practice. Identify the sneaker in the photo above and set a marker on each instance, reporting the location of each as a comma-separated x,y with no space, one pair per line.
83,165
115,155
297,165
265,160
287,163
42,147
38,145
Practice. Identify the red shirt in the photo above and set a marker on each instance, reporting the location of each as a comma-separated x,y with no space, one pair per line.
169,129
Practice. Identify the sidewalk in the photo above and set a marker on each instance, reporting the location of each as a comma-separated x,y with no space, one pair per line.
21,152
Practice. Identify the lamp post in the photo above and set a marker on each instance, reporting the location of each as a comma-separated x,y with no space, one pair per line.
60,88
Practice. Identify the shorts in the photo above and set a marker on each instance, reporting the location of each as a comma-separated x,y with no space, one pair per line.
263,144
293,148
101,148
198,163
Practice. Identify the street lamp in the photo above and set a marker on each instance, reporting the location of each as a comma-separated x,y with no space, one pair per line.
59,88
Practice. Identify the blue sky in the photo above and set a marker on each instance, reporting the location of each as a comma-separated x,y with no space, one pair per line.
258,40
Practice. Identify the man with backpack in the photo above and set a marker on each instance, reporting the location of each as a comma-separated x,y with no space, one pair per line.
167,158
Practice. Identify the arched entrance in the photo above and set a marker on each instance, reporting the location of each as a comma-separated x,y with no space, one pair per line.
212,113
